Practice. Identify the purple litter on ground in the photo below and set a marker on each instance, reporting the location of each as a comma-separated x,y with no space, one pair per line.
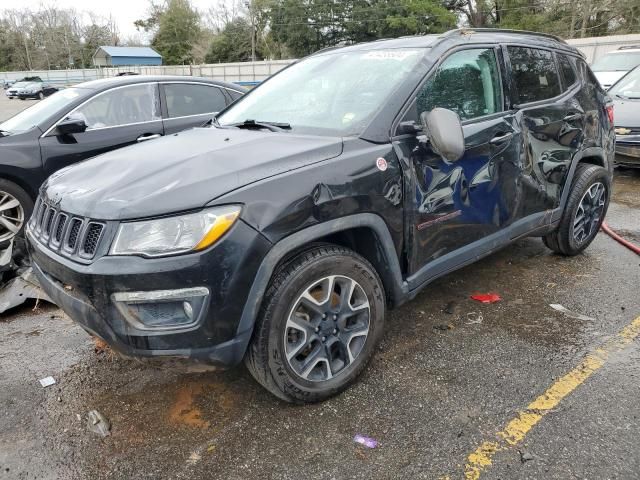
366,441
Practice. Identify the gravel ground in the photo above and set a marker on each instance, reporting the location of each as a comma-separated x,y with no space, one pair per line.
440,384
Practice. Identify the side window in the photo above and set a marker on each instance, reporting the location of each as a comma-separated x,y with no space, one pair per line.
122,106
534,73
185,99
467,82
566,68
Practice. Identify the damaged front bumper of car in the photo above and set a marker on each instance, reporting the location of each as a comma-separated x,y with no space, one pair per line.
628,149
183,306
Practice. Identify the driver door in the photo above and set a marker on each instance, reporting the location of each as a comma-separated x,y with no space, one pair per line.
115,118
452,205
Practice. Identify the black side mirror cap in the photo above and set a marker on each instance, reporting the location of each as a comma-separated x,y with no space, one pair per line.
444,130
70,125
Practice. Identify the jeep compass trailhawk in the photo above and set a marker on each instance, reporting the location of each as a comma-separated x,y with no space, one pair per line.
340,187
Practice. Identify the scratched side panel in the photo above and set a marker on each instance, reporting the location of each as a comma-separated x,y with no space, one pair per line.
550,144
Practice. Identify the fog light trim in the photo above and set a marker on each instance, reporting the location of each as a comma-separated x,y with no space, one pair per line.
132,297
159,310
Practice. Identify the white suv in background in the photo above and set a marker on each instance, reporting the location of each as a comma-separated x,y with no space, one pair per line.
614,65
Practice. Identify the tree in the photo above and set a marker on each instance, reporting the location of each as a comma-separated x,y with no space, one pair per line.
176,29
233,44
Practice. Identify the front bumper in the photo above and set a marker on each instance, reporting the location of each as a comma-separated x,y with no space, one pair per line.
628,150
86,294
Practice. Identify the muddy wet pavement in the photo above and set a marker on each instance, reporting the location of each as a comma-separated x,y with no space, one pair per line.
457,388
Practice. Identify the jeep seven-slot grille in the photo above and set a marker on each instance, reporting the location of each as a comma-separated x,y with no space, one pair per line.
71,236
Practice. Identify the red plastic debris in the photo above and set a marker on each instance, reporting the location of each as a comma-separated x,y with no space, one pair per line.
487,297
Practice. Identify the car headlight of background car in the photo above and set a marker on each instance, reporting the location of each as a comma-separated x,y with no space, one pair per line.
189,232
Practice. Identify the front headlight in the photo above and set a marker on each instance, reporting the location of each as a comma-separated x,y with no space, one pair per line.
171,235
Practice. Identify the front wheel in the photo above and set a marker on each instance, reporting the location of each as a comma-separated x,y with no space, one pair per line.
321,318
15,209
584,213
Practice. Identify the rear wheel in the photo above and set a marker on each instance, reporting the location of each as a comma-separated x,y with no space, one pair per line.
321,318
40,95
584,213
15,209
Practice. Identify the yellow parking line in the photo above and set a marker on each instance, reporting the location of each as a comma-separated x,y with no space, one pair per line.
515,431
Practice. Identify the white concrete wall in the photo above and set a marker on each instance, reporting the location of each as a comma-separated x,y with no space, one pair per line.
244,72
595,47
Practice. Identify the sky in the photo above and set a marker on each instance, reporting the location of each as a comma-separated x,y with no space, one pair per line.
124,12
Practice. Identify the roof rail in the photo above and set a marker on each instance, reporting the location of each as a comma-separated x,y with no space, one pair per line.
629,47
504,30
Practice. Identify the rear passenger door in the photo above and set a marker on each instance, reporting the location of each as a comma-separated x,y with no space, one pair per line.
187,105
551,121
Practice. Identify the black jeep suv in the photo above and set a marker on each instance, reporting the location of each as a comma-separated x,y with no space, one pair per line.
337,189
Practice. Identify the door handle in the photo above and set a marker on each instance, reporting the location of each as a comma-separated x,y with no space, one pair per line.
501,138
572,117
144,138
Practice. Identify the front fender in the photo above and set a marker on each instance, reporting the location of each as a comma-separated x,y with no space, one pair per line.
303,237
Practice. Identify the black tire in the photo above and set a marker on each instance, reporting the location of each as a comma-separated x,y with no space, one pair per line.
563,240
266,357
26,204
40,95
22,98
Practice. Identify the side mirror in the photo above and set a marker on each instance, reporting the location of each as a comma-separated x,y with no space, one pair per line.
444,130
71,125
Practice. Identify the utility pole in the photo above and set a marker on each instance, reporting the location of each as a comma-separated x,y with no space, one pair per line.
249,5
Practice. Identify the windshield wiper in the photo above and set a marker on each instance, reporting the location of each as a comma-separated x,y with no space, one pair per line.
273,126
620,96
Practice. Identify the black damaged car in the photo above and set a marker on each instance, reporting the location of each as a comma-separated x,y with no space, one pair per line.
337,189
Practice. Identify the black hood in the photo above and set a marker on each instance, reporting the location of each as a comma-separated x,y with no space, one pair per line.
181,172
626,113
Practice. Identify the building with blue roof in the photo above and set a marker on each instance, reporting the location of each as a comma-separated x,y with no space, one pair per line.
126,56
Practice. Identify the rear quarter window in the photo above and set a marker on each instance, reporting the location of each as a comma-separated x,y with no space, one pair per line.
588,77
234,95
534,74
567,70
187,99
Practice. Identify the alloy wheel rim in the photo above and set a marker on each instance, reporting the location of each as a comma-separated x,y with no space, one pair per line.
11,216
327,328
589,214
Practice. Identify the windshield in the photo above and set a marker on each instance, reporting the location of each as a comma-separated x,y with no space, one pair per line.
628,86
335,93
30,117
621,62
